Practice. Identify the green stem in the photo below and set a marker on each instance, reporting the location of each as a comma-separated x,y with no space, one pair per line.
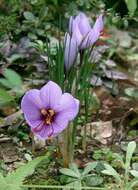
84,140
59,187
67,151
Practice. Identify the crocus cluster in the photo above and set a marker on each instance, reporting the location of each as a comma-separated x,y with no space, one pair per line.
48,111
81,36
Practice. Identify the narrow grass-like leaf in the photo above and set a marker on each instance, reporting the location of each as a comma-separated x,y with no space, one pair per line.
132,6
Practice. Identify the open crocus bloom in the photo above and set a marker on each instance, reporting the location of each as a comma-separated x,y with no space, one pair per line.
81,29
48,111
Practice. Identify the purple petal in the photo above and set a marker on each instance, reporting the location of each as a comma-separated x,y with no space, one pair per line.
83,23
71,23
90,39
59,124
31,105
98,26
93,34
70,51
68,107
52,130
44,133
50,95
77,35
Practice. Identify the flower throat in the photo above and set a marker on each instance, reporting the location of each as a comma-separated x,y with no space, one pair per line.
48,115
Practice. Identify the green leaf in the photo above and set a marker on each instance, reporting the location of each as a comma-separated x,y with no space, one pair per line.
131,92
74,184
135,166
89,167
131,5
15,178
28,15
5,186
94,180
5,97
109,170
133,183
13,78
15,57
69,172
5,83
134,173
133,56
13,187
2,182
130,150
119,158
74,167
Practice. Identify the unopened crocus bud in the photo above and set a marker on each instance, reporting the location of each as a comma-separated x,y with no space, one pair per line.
85,35
83,24
70,52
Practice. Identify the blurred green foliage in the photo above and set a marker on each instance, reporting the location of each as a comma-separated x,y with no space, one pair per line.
40,16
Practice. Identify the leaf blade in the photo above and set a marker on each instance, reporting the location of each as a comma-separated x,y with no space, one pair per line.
89,167
69,172
17,176
13,77
109,170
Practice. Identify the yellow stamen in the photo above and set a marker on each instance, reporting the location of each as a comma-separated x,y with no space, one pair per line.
52,113
48,121
44,112
48,115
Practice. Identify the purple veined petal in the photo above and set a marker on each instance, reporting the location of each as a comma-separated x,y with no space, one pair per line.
48,131
71,50
68,107
77,35
90,39
83,23
73,23
58,125
50,94
31,105
85,43
44,133
34,123
93,37
98,26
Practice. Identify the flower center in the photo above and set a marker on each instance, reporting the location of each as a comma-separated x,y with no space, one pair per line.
48,115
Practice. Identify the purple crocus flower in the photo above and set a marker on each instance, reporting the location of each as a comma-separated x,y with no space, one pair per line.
48,111
86,35
80,36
